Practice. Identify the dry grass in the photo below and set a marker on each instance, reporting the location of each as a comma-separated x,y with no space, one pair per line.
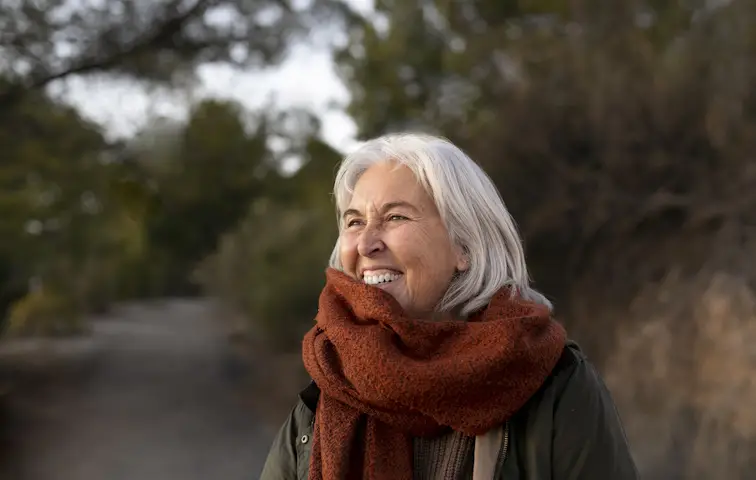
684,377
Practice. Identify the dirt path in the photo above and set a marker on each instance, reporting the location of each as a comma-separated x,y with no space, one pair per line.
152,399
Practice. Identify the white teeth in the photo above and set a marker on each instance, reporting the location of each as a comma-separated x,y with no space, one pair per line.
383,278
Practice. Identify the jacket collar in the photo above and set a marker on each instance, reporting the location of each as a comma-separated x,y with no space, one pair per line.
310,396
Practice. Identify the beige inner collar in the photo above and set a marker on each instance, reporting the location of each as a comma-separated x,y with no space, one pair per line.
486,454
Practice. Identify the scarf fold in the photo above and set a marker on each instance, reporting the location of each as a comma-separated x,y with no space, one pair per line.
385,378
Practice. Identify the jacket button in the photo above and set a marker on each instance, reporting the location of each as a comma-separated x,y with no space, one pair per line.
305,439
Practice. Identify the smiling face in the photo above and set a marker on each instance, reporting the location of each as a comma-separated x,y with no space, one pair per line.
393,237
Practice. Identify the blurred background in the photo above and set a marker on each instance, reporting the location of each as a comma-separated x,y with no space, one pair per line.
165,216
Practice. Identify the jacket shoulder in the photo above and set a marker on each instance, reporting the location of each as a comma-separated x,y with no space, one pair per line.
570,362
286,458
571,427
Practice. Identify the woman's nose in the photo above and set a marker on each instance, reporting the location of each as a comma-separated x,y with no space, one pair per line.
370,243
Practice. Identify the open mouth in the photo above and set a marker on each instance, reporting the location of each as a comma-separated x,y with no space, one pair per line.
372,278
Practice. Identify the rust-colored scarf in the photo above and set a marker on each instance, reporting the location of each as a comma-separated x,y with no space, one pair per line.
385,378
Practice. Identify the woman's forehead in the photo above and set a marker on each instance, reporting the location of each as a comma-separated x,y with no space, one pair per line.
387,183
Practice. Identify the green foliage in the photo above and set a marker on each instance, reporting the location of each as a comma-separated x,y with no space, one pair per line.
98,223
49,189
271,267
45,313
87,218
204,185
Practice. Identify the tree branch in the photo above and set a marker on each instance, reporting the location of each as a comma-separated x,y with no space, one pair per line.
160,37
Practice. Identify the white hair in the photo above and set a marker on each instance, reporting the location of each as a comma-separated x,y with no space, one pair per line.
470,207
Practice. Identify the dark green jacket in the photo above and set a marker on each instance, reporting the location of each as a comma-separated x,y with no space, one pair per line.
569,430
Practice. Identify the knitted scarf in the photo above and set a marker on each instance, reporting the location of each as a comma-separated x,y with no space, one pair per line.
386,378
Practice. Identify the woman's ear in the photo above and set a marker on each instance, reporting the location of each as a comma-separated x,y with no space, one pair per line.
463,259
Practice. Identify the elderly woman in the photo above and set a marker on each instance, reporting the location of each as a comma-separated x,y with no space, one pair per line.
431,355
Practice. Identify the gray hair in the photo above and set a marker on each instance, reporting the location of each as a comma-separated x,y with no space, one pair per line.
470,207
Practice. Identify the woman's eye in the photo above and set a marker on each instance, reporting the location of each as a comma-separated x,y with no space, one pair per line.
352,223
397,217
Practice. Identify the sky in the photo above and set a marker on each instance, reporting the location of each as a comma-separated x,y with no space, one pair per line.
306,78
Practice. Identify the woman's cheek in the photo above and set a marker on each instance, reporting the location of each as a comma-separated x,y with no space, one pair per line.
348,252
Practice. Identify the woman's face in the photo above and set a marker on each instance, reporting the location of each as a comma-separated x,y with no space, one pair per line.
393,238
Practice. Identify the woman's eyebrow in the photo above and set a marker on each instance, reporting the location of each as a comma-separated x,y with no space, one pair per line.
350,212
385,207
398,204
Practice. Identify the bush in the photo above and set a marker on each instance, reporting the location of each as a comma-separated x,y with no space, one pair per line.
45,312
271,269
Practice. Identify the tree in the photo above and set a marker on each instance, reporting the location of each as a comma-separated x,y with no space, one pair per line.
160,42
215,166
55,207
46,40
271,266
